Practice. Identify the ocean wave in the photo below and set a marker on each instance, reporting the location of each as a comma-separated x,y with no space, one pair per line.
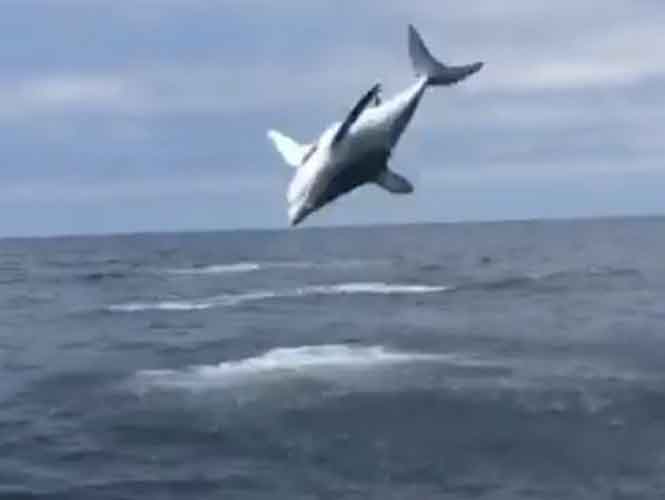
248,266
319,360
370,288
238,267
588,272
308,373
13,280
314,290
555,279
103,275
167,305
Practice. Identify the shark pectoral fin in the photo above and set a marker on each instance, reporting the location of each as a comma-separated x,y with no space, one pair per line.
357,110
292,152
394,183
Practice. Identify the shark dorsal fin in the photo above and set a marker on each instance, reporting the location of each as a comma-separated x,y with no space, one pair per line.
353,115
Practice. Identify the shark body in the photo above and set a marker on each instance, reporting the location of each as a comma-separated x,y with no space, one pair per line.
356,151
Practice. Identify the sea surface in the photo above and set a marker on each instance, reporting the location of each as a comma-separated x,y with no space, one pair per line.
488,361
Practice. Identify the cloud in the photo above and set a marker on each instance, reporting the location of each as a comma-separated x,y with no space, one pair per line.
76,90
572,46
566,75
187,88
85,191
66,94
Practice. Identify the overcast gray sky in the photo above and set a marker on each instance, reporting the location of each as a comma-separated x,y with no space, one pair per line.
130,115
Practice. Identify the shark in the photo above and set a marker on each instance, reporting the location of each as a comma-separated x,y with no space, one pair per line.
356,151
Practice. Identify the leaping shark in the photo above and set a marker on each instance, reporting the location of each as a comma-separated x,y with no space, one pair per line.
356,151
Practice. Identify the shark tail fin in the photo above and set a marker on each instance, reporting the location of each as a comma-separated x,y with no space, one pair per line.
292,152
437,73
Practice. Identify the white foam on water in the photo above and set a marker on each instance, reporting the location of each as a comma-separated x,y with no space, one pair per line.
157,306
377,288
247,267
370,288
326,361
191,305
238,267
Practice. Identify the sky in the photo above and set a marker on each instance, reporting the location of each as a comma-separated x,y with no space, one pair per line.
151,115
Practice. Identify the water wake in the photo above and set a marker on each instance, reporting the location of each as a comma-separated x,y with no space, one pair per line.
227,300
238,267
327,361
248,267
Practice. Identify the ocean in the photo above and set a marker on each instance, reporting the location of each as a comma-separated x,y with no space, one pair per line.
505,360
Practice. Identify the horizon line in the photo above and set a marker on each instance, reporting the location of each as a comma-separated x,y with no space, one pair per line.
325,227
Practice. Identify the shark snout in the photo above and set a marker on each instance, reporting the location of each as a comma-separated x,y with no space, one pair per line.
297,214
476,67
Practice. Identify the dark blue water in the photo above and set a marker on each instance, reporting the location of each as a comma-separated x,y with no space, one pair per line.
508,360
